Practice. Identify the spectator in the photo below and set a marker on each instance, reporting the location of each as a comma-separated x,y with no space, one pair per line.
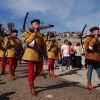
65,55
72,55
78,49
83,58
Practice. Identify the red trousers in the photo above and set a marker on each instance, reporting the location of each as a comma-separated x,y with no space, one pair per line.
12,63
51,64
34,70
3,63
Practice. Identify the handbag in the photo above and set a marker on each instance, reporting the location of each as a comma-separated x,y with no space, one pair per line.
92,56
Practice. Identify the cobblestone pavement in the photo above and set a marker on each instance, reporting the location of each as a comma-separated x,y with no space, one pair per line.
48,88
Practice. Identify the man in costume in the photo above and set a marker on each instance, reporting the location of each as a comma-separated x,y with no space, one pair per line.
13,45
52,47
34,52
2,49
92,55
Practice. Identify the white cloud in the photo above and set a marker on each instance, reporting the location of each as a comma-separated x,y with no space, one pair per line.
53,7
20,7
70,14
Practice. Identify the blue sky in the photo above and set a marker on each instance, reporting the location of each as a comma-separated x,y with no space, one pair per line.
66,15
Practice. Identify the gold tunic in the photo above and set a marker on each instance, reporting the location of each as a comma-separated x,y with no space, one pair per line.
2,47
13,47
37,52
53,50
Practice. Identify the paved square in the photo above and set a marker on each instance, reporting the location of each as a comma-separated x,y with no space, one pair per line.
48,88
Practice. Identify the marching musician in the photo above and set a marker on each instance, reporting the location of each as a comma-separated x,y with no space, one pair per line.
13,45
34,53
92,56
2,54
2,49
52,46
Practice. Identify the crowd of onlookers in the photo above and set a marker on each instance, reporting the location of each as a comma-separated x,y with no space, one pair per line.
72,56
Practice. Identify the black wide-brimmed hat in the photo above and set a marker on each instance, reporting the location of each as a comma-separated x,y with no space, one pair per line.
94,28
14,31
35,20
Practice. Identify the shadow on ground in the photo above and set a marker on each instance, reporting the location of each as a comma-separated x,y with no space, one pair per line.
71,73
60,84
98,85
1,82
5,96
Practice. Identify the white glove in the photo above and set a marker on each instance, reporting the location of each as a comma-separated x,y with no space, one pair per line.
32,43
90,47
